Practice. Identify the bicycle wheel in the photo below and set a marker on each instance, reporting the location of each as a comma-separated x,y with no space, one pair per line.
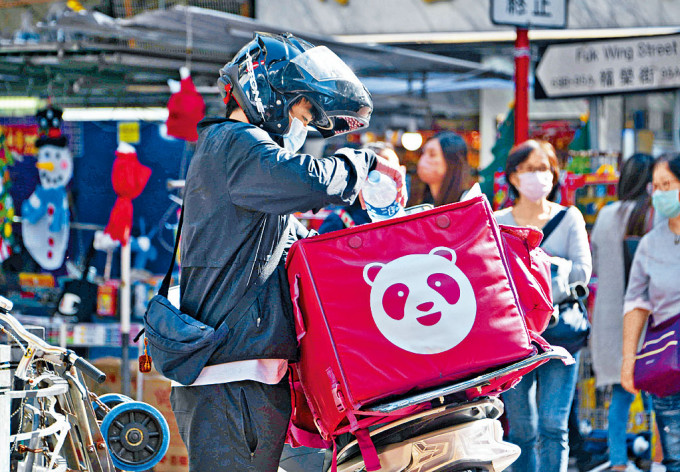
110,400
137,436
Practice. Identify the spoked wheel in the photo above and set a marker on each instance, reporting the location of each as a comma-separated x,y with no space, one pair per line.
110,400
137,436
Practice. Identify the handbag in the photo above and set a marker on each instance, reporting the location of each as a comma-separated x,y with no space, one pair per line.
78,300
179,344
572,327
657,363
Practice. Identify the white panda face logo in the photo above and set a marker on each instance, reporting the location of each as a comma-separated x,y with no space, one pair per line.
422,303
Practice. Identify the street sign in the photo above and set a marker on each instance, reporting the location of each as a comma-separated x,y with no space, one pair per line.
530,13
609,67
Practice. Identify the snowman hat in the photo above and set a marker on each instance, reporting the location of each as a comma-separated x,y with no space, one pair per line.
59,141
49,128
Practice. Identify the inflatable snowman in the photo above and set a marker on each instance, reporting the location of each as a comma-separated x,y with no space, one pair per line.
45,215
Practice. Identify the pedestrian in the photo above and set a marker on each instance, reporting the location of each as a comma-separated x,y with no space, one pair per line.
653,290
349,216
630,216
444,168
538,407
245,180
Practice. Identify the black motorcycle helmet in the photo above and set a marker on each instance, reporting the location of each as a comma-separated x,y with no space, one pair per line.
273,71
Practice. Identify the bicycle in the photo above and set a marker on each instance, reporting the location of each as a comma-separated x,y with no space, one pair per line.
58,425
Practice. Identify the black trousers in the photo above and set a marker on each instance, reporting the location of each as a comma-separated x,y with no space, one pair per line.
237,426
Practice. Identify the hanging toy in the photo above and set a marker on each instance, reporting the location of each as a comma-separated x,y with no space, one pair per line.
185,108
6,204
129,177
45,215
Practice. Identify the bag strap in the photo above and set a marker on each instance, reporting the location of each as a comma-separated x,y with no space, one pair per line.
165,285
552,224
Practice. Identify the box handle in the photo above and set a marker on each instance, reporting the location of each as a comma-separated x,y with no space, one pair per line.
299,321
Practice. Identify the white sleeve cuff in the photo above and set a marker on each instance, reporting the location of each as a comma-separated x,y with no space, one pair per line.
630,305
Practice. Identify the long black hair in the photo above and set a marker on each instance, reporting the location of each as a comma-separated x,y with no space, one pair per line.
636,174
457,177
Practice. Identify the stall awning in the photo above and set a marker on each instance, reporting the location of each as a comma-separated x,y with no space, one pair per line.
96,60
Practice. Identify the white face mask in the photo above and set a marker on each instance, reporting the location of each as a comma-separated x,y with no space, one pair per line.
535,185
295,137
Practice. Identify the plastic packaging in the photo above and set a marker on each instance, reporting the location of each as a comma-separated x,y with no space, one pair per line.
380,196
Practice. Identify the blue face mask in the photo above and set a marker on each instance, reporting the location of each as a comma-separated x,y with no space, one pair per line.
295,137
667,203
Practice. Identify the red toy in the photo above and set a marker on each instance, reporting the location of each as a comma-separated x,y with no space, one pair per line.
185,109
129,177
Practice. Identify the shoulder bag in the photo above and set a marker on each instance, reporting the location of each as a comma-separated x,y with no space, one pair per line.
572,328
179,344
657,363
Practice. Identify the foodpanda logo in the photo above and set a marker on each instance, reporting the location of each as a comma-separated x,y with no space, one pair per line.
422,303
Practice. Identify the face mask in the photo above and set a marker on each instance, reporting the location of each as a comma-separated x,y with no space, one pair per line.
667,203
296,135
535,185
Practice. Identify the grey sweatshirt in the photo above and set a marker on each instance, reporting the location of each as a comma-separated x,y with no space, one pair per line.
654,282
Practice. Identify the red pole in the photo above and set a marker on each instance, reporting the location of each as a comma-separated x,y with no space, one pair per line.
522,56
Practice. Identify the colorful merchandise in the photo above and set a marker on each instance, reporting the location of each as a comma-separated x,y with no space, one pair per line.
107,299
501,191
45,214
6,204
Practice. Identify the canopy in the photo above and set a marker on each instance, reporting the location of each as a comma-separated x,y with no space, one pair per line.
96,60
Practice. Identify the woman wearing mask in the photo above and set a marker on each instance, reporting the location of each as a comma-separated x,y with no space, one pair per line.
653,289
538,407
444,169
630,216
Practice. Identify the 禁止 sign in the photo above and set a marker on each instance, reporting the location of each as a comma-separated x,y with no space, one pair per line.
530,13
609,67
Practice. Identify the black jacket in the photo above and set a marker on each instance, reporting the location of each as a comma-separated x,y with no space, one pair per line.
241,188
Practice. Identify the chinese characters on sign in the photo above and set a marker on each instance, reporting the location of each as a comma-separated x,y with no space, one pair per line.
604,67
529,13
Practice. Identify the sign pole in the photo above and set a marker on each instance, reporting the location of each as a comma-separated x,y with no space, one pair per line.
125,255
522,56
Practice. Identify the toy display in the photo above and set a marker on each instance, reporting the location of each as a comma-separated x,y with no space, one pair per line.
590,182
6,204
45,215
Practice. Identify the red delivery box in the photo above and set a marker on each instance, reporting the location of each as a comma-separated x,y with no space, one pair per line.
402,305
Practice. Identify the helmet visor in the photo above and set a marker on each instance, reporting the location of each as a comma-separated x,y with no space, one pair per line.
322,64
341,102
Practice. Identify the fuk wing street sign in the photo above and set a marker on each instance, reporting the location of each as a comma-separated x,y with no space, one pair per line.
609,67
530,13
